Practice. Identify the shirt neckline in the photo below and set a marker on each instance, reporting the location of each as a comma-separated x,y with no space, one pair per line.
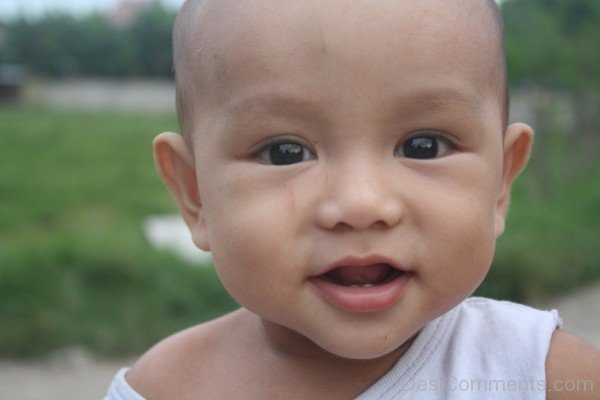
394,384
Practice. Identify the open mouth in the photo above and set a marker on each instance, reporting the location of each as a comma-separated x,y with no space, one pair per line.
362,287
363,276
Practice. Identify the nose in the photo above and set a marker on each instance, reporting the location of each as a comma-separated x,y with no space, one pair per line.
359,197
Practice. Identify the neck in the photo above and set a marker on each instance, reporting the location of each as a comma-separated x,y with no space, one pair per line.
287,345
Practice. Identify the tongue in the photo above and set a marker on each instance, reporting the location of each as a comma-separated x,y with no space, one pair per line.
372,274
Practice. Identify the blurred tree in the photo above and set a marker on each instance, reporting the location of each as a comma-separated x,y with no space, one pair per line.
102,50
553,42
43,45
552,48
61,45
151,33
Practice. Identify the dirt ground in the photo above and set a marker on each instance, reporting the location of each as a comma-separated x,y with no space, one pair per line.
580,312
69,375
73,375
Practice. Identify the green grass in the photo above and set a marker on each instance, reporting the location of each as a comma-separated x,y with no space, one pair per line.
552,242
75,268
74,265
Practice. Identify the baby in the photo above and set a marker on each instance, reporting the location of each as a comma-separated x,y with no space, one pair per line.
349,164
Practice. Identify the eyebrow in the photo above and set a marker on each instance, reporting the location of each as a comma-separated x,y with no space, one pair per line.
280,104
439,99
422,101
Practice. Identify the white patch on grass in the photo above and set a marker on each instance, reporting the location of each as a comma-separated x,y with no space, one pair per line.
171,233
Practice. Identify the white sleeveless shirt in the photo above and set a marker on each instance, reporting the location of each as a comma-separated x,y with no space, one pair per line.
482,350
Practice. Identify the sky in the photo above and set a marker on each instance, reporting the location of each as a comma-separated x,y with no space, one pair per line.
12,8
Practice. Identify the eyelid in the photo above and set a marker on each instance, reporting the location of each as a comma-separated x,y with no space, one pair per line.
448,139
436,134
280,140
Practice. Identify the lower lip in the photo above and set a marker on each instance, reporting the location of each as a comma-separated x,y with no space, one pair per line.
363,299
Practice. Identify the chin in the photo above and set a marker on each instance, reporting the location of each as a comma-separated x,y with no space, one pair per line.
367,348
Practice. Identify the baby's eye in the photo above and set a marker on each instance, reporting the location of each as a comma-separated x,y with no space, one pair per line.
424,146
285,152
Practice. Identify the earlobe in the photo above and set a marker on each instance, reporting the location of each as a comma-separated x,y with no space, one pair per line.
517,147
176,167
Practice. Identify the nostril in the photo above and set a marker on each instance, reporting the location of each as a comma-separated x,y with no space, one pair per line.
340,219
341,227
381,224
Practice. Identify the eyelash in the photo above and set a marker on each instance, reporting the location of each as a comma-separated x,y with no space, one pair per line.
440,143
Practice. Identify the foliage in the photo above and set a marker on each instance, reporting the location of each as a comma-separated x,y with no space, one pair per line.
62,45
551,243
553,53
553,42
151,30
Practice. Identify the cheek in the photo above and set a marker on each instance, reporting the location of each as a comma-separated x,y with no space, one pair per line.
459,236
252,233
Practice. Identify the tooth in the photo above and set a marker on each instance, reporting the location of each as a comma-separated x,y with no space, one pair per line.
368,285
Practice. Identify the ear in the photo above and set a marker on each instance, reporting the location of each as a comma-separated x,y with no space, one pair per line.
517,146
176,167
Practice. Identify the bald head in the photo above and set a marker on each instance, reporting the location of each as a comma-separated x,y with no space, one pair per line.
202,22
185,56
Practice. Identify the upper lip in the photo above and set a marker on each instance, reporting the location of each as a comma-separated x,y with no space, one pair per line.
365,261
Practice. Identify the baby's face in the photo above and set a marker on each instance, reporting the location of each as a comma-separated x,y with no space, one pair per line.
349,159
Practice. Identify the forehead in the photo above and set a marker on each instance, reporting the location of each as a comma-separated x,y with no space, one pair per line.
400,46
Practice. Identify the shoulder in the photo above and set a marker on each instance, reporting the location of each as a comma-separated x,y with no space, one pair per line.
170,368
158,373
501,316
487,305
572,368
